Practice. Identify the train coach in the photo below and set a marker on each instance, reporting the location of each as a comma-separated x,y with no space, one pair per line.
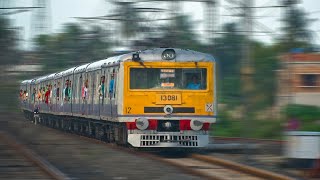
162,97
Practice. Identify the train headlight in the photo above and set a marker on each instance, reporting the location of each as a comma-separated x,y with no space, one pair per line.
136,57
142,123
168,54
167,125
196,125
168,109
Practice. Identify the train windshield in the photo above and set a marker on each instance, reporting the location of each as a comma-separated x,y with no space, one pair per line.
168,78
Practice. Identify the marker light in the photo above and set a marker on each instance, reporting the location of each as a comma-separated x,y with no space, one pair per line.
142,123
196,125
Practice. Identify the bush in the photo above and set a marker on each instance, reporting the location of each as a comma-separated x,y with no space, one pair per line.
302,112
226,126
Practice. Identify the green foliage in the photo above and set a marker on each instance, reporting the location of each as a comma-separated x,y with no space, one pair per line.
265,63
226,126
313,126
74,46
179,34
302,112
228,54
308,116
129,22
269,129
296,32
8,43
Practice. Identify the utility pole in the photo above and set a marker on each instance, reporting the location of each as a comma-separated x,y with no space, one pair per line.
210,10
289,7
247,70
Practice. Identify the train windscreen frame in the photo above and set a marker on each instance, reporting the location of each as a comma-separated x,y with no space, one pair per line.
168,78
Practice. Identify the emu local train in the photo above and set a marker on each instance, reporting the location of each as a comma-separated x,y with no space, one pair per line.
162,97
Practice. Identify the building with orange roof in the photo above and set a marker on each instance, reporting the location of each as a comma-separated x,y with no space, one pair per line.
299,79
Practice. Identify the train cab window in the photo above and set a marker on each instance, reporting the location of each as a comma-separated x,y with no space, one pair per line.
168,78
195,79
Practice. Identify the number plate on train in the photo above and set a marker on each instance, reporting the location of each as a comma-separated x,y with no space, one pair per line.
168,98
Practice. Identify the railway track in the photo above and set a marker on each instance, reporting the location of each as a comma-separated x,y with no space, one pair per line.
18,162
210,167
204,166
86,158
251,140
268,155
85,152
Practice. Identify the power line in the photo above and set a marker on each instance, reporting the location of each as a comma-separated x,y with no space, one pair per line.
31,7
15,12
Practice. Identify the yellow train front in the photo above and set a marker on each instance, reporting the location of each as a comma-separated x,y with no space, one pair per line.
169,98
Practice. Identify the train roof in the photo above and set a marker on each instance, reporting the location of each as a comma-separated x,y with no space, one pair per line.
149,55
26,82
81,68
65,72
40,79
51,76
181,55
111,61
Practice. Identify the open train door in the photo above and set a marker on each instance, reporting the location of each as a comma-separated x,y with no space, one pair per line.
102,92
112,92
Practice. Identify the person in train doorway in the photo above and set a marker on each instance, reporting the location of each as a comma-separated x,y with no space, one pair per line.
34,94
84,96
84,91
58,91
21,94
194,84
66,91
24,96
101,87
111,86
39,95
47,95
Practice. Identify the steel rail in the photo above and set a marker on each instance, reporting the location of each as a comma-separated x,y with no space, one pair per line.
31,156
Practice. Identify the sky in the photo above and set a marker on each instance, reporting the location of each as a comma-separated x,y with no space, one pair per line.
63,11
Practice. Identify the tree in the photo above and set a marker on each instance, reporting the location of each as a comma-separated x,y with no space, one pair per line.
228,53
296,32
9,55
8,43
72,47
265,63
